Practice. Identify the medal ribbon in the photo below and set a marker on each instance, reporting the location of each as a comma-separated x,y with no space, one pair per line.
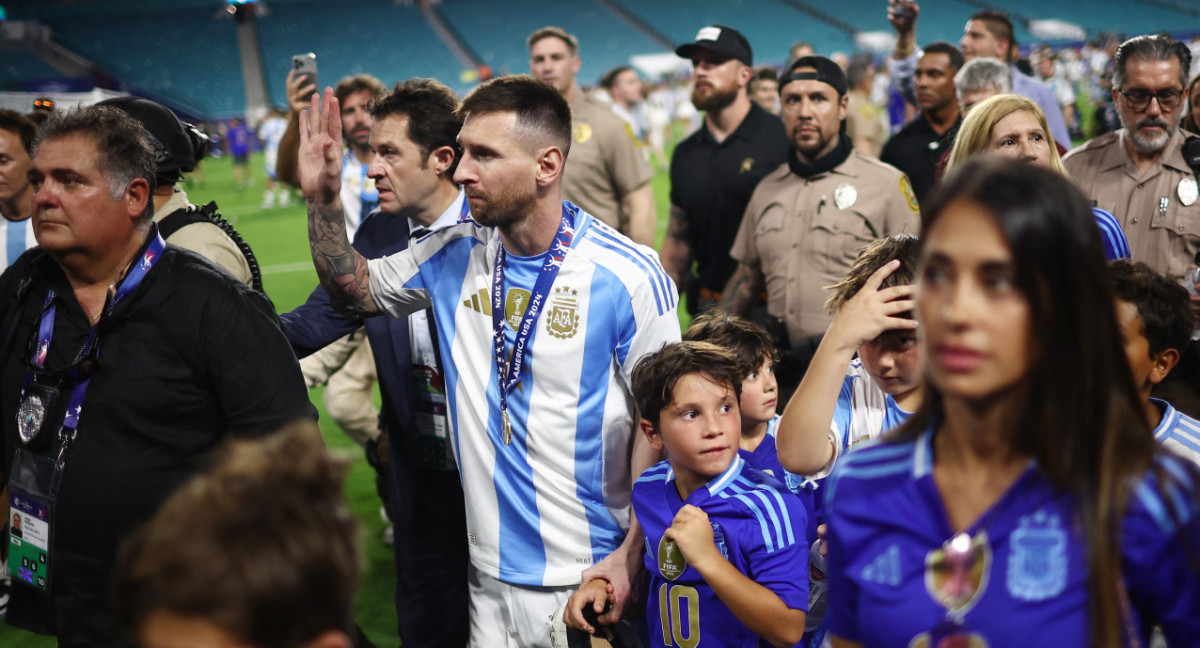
133,279
510,371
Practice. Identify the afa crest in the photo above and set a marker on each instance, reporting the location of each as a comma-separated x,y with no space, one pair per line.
562,313
719,540
1037,561
747,165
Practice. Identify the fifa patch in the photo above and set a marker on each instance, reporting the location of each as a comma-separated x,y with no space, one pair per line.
1037,561
907,190
671,563
562,313
583,133
515,305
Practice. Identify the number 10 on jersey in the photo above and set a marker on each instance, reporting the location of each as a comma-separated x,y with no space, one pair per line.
678,604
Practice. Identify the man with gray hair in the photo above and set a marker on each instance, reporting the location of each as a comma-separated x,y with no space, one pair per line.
125,362
1139,174
980,79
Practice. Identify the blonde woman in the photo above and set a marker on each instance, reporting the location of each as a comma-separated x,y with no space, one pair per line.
1014,127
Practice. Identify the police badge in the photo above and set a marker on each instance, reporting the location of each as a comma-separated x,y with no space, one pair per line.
36,400
1188,192
845,196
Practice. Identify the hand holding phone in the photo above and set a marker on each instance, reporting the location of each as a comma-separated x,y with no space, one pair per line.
301,81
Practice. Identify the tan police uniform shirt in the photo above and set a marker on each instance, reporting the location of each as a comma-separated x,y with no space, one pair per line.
1159,211
864,122
805,234
206,239
605,163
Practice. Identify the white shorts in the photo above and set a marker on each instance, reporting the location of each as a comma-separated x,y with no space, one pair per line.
515,616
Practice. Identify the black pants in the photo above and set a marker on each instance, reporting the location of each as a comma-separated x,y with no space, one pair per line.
430,531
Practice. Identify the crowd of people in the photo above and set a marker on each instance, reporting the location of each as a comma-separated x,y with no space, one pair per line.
938,386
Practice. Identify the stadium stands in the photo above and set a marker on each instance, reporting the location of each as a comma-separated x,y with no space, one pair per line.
499,36
771,26
22,65
375,37
200,70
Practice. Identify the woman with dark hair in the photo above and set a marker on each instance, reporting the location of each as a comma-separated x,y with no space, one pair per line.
1025,501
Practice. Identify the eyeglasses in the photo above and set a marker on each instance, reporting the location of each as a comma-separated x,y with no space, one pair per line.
1140,99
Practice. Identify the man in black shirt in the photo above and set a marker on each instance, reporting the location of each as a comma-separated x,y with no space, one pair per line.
714,171
123,363
919,147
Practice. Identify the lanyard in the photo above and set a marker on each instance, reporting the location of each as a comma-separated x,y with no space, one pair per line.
464,214
510,370
91,347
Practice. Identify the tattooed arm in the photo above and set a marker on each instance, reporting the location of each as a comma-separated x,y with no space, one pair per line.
342,270
743,290
676,252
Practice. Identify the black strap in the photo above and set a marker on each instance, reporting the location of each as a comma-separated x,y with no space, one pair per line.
1191,154
12,309
182,217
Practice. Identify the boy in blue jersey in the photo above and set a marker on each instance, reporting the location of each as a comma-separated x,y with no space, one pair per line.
724,547
1156,326
844,400
754,350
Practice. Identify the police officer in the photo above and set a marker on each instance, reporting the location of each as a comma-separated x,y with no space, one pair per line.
1138,172
1140,175
808,218
608,175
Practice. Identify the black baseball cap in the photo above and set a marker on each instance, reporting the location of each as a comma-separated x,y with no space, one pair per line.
178,146
722,41
826,72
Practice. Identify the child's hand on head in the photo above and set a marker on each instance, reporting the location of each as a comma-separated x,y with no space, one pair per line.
873,310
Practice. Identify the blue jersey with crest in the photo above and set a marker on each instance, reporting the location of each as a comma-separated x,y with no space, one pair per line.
889,570
757,525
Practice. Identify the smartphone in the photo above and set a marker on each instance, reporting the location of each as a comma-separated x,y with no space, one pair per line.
305,65
904,9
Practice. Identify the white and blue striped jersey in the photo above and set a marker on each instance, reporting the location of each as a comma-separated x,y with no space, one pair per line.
271,132
758,526
1178,431
557,499
359,195
15,238
863,412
